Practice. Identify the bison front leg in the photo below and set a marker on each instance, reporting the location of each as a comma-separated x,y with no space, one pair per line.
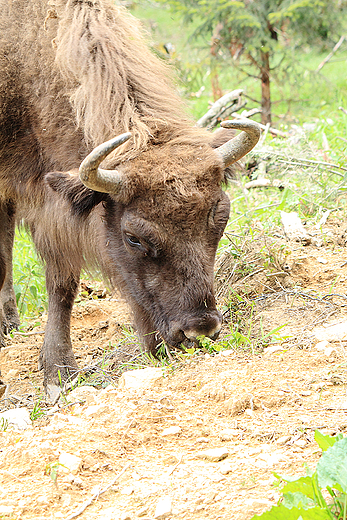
57,358
9,318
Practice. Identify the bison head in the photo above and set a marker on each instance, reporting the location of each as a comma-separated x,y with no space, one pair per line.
163,216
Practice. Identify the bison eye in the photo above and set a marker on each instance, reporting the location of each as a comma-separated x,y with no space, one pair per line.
132,240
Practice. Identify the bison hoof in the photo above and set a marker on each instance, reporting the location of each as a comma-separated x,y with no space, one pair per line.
53,393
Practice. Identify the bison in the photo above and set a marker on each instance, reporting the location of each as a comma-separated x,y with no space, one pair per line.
79,87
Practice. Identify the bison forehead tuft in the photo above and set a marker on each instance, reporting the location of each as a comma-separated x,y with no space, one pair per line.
177,173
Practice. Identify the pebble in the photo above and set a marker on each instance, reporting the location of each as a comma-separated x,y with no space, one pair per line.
6,510
225,468
163,508
17,418
142,512
227,435
283,440
226,353
271,350
331,332
172,430
301,443
214,455
322,345
322,260
83,394
140,379
69,463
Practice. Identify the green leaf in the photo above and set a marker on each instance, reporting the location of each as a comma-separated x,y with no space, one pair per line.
326,441
299,500
332,466
301,485
283,513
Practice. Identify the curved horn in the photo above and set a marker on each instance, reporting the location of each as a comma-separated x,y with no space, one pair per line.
97,179
235,148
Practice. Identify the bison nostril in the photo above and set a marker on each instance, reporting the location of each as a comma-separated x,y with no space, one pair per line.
194,334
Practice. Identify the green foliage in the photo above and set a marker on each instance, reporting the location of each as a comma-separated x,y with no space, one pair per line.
303,497
28,275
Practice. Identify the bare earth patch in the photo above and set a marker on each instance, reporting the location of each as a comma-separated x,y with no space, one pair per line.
260,408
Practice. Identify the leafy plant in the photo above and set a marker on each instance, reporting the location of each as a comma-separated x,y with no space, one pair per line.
304,498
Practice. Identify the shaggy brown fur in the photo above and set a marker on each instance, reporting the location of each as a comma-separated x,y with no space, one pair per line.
73,74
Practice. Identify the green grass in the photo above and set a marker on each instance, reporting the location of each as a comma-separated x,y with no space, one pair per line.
28,275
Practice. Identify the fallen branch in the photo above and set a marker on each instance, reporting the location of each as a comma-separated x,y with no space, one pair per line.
97,494
264,183
221,109
331,54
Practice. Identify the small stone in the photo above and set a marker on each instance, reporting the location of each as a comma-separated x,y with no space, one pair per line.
301,443
271,350
226,353
332,332
163,508
322,260
96,410
139,379
173,430
322,345
225,468
6,510
202,440
17,418
283,440
127,490
328,351
69,463
228,435
306,393
214,455
82,394
142,512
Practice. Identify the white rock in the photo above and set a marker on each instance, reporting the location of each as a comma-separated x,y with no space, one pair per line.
332,332
322,260
173,430
328,351
226,353
301,443
322,345
127,490
225,468
17,418
214,455
271,350
82,393
283,440
96,410
227,435
139,379
163,508
69,463
6,510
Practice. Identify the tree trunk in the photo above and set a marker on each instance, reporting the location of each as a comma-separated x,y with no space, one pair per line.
265,89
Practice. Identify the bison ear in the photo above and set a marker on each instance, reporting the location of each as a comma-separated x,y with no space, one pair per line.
70,187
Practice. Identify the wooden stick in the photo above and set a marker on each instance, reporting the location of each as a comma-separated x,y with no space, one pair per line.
97,494
220,106
336,47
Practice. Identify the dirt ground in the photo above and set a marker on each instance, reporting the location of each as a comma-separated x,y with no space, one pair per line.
260,407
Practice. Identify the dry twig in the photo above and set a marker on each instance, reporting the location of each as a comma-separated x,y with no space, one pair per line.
97,494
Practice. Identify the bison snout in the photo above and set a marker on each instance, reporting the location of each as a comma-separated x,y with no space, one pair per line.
208,325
